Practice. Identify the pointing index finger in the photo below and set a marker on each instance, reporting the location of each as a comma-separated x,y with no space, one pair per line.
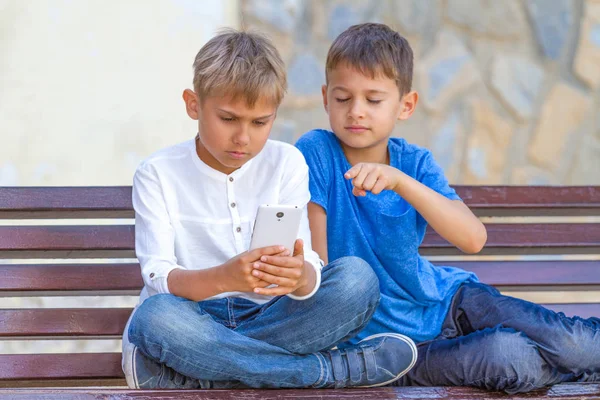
353,172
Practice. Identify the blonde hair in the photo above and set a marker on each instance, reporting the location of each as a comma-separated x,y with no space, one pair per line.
240,64
374,49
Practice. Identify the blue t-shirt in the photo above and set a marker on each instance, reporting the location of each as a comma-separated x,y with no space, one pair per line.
385,231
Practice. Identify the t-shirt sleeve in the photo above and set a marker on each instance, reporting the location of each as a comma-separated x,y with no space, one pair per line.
430,174
316,152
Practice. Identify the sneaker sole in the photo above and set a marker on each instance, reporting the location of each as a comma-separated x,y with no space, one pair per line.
406,340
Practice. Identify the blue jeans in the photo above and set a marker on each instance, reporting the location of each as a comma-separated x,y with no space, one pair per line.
234,342
498,342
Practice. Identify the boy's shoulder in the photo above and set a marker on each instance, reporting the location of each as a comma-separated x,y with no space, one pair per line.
276,152
407,153
315,139
167,154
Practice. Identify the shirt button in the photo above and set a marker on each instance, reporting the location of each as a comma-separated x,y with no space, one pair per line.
230,179
238,229
152,275
232,205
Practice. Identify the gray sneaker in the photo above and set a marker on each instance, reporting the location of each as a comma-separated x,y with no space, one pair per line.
377,360
149,374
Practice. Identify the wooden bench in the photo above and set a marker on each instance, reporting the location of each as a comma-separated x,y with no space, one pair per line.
67,230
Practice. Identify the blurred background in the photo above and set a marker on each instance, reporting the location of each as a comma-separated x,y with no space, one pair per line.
510,90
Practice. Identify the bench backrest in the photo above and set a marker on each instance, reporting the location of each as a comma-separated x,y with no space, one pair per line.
61,242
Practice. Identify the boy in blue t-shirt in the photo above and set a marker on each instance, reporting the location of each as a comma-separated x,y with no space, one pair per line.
372,196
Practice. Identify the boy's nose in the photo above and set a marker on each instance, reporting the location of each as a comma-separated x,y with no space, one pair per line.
242,137
356,110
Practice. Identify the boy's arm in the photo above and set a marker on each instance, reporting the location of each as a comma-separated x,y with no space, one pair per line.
451,219
155,250
155,244
318,228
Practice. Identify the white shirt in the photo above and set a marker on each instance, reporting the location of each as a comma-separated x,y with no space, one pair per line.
191,216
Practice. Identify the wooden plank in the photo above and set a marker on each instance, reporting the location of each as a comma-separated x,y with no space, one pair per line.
47,278
56,323
118,240
60,279
109,323
531,200
583,310
563,391
60,366
526,239
70,241
115,201
532,273
66,202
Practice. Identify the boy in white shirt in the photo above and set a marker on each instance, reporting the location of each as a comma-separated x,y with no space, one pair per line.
213,314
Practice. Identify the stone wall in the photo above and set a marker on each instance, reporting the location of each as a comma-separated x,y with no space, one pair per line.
510,90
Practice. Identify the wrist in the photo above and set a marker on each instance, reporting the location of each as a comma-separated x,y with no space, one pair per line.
307,271
399,180
220,277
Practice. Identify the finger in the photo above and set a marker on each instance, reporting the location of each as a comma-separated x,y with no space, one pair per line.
273,279
274,291
370,181
362,175
358,192
298,248
285,262
269,251
379,186
353,172
285,268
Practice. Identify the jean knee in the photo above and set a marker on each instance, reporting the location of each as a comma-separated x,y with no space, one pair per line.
166,320
354,281
576,347
152,315
512,362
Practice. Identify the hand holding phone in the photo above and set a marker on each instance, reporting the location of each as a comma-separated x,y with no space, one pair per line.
285,274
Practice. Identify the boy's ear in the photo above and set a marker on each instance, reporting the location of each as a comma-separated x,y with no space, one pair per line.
409,103
191,103
324,92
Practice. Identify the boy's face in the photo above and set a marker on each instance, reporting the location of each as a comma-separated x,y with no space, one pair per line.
363,110
230,131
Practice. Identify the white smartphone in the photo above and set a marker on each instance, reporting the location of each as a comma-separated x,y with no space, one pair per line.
276,225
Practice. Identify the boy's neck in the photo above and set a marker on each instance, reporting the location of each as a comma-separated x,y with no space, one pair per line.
378,154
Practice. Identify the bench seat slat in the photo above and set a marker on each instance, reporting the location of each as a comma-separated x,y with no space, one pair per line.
532,273
76,241
562,391
109,323
70,277
125,278
115,201
63,322
531,200
60,366
66,202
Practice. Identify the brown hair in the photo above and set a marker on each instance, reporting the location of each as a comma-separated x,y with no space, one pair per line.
374,49
240,64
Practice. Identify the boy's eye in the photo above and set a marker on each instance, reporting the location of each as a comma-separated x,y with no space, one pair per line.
259,123
228,119
374,101
342,100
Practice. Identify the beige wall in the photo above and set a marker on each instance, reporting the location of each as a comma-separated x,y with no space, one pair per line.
89,88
